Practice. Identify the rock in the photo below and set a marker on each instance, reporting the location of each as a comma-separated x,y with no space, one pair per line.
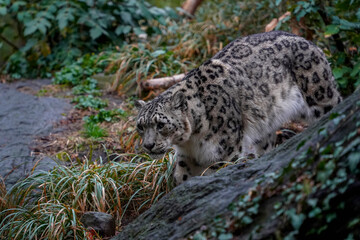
22,118
196,203
102,223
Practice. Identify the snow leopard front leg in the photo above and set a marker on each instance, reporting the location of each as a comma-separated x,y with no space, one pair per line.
182,170
265,144
187,167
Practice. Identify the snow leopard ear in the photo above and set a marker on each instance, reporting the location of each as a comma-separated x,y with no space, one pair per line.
178,100
139,104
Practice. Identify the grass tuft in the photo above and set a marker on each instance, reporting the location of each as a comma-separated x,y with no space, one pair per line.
48,205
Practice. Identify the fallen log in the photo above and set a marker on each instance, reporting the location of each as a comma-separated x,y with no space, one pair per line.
161,83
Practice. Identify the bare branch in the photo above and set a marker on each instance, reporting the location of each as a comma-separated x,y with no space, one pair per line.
165,82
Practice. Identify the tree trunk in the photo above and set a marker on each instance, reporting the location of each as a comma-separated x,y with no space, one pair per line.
190,6
194,205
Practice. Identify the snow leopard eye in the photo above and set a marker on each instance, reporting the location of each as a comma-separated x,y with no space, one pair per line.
160,125
140,127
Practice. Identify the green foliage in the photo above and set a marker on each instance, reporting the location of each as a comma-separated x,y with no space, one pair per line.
93,130
106,116
81,71
79,76
57,32
335,27
89,101
48,205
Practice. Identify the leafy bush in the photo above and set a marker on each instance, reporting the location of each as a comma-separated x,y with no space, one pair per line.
80,72
335,27
57,32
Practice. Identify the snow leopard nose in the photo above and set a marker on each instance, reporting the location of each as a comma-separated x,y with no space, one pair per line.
149,146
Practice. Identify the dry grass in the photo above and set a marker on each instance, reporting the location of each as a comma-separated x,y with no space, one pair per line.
48,205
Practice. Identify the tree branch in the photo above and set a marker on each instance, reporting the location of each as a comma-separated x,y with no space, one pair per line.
164,82
8,42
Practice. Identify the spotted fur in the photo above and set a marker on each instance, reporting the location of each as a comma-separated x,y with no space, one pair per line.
234,102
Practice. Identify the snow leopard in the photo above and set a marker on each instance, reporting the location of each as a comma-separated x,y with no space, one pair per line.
234,102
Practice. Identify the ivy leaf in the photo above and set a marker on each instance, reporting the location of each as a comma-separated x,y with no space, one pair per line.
225,236
296,219
354,159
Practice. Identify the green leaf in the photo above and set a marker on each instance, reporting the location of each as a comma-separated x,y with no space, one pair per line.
246,220
65,16
138,31
127,18
144,11
199,236
277,2
330,217
296,219
354,159
43,24
331,29
122,29
158,53
312,202
15,6
225,236
338,72
95,32
30,28
161,20
3,11
355,70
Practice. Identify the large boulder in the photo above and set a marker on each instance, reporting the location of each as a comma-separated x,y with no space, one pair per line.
198,205
102,223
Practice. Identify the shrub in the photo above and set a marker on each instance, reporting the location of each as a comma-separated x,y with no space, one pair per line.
335,27
57,32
